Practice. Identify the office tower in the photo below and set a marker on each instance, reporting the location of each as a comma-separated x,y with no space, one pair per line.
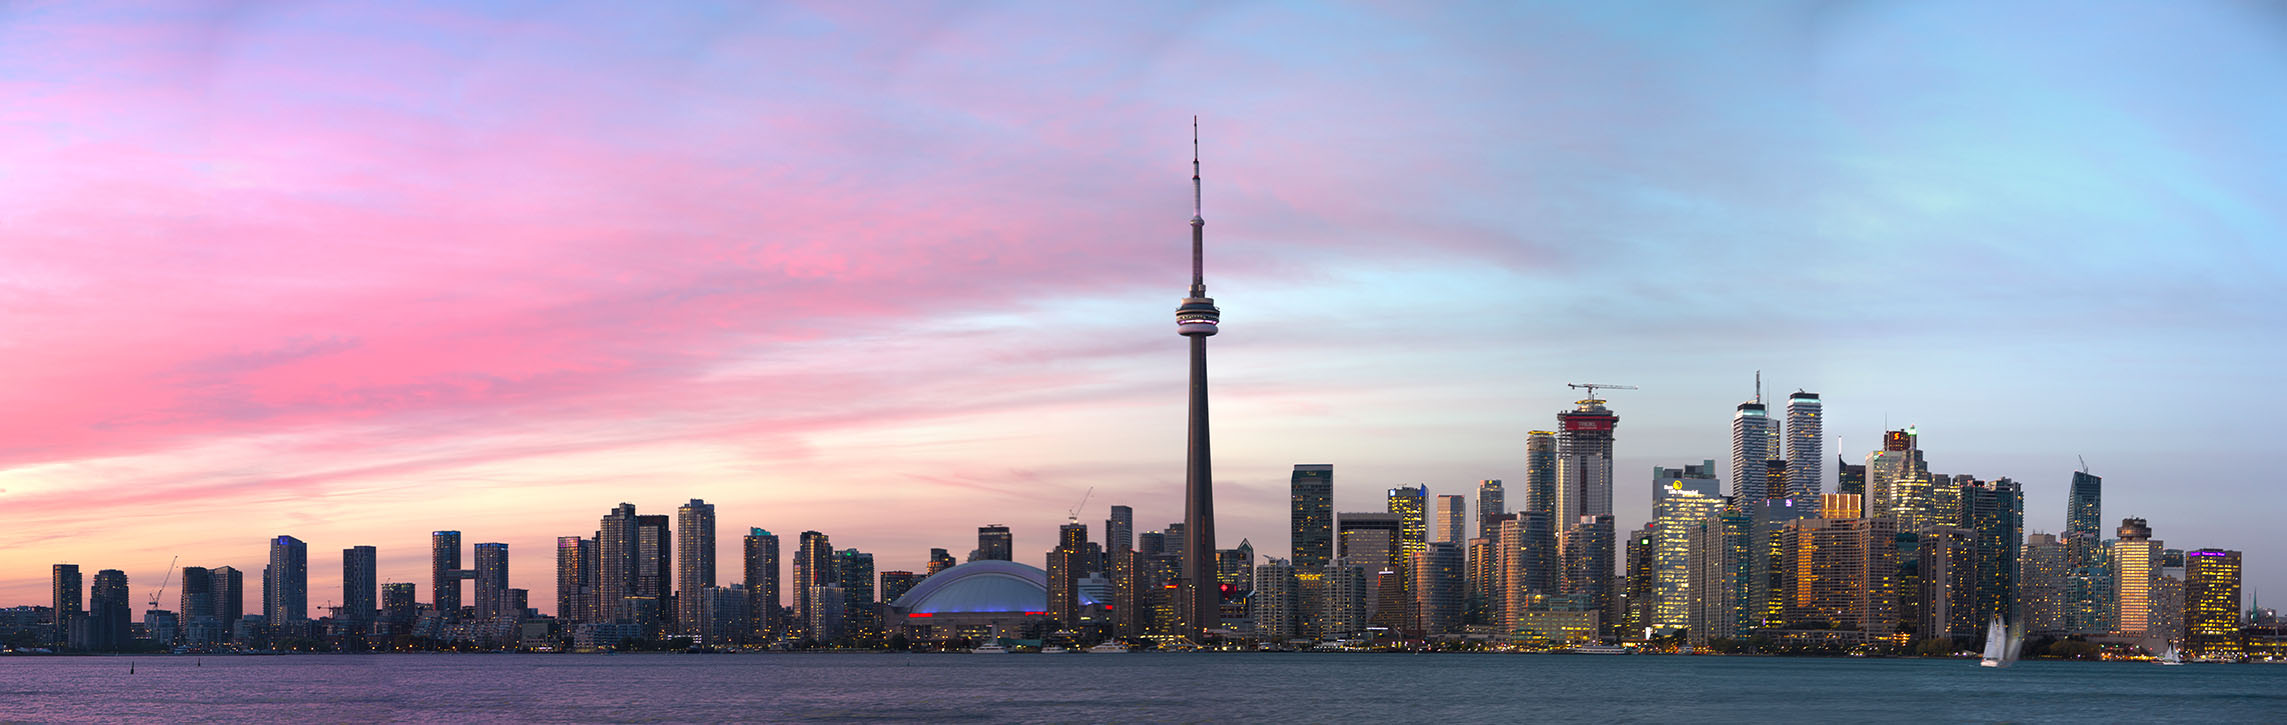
1682,497
200,626
1120,529
1311,518
1274,604
575,579
1437,588
854,573
2042,583
616,553
1196,320
445,573
655,560
1490,503
360,586
1849,478
1540,473
1371,542
1995,512
762,588
2084,513
1638,603
1719,597
1151,543
1584,461
109,614
1754,442
1837,571
1587,548
2088,584
398,604
64,591
2211,604
1065,567
1343,599
492,582
229,595
1806,447
894,585
813,569
290,575
940,560
722,613
994,544
1899,485
1452,519
695,539
2135,562
1411,504
1158,591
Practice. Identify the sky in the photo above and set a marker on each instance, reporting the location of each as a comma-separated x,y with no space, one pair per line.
355,272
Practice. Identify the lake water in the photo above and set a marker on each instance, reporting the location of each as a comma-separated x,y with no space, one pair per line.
1151,687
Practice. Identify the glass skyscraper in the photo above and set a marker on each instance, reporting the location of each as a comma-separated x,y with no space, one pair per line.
1311,516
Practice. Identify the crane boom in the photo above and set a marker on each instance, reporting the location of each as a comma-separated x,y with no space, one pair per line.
1074,513
1591,387
169,576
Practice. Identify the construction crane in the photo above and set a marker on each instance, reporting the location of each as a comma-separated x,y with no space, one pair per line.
1074,513
1593,386
2084,462
168,577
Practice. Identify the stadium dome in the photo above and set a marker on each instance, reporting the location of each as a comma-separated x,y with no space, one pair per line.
979,586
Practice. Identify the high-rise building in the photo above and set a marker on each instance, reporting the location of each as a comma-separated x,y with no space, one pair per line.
1587,548
492,582
1491,502
722,613
1437,589
2135,563
894,584
2088,568
200,626
813,569
1196,320
994,544
940,560
360,586
1995,512
1311,518
1371,542
445,573
1806,447
854,575
1452,519
1584,462
65,591
2084,507
575,579
1719,598
695,572
1898,482
290,577
616,553
1849,478
1066,565
398,604
229,596
1754,442
1638,601
762,588
2211,604
109,614
1682,498
655,562
1411,504
1274,606
1119,530
2041,584
1343,600
1836,571
1540,473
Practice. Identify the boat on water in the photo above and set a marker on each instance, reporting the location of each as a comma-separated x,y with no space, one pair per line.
2171,656
1053,650
1602,649
2001,644
990,648
1108,648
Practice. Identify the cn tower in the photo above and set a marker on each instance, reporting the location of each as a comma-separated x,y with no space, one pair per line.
1202,602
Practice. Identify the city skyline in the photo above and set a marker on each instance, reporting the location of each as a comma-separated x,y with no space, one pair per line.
424,318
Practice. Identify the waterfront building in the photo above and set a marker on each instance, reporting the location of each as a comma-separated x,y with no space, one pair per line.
2088,563
761,579
1067,563
2042,584
616,554
813,568
1754,443
287,588
940,560
854,574
360,588
1411,505
1196,320
1371,541
399,606
196,602
444,573
1587,550
2135,563
1584,462
723,615
695,570
229,596
655,568
1276,603
1343,601
1898,482
1806,444
829,614
1945,581
1995,512
2211,604
1311,515
895,584
994,543
1836,573
1437,589
161,627
65,589
109,614
1120,529
1452,519
1718,600
1638,584
1480,586
1491,502
1550,628
575,579
492,583
2167,620
1681,498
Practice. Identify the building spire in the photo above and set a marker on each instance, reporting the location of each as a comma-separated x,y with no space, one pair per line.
1198,236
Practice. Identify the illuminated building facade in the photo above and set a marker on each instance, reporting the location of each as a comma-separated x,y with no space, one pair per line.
994,543
1837,574
1437,589
2135,562
445,573
1682,498
1898,482
1540,473
1754,443
2042,583
1806,444
2211,604
1492,501
1718,597
1276,603
1311,515
492,582
695,570
762,586
1452,519
575,579
1584,461
1411,505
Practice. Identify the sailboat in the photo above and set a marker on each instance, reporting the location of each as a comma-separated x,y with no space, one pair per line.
2001,645
2171,656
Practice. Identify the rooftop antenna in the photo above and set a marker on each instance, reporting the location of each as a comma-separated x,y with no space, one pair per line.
1758,387
1198,272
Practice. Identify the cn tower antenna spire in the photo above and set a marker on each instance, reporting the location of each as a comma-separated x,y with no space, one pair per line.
1198,237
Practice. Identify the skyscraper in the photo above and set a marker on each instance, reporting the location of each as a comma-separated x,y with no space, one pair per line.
397,604
109,614
1411,504
1584,462
1066,565
1836,571
1276,603
2135,563
1371,542
2211,603
2088,567
695,572
229,595
1540,473
762,588
1119,529
655,561
65,591
1682,498
1849,478
940,560
813,568
197,606
445,573
1754,442
360,586
1720,599
1588,548
994,544
1452,519
1995,512
491,574
290,577
1311,520
1436,588
854,575
1198,319
1491,502
2041,584
1898,482
615,563
575,579
1806,447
